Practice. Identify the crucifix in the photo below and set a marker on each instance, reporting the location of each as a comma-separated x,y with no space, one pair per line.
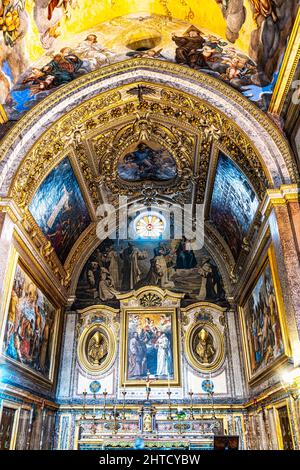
148,383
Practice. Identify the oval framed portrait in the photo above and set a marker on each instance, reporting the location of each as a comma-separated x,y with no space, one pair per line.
96,348
204,346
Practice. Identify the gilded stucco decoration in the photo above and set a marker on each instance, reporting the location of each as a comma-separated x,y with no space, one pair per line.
110,145
187,126
97,331
204,328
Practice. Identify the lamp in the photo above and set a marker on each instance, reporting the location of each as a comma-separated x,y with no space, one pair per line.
290,380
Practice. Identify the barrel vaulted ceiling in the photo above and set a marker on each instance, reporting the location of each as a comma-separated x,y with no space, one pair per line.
97,82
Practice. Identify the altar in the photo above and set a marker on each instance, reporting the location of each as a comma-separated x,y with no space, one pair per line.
150,374
147,428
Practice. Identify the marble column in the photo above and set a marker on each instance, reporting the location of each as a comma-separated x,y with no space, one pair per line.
256,433
272,427
64,388
236,365
263,433
283,210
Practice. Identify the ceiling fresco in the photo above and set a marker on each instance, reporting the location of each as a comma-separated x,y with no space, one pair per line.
157,150
147,162
120,266
48,43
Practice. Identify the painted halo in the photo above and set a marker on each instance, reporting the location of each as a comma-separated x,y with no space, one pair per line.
204,346
96,348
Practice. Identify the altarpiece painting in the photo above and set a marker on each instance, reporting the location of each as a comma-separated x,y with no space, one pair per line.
150,347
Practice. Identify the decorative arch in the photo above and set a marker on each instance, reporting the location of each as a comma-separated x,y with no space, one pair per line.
261,134
75,114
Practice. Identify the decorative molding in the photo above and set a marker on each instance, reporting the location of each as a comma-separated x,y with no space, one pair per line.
280,197
287,69
3,115
79,89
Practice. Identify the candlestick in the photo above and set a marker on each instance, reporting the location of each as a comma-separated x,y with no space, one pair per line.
84,403
169,393
104,407
124,395
148,383
191,404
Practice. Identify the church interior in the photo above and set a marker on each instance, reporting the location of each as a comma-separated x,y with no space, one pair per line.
149,224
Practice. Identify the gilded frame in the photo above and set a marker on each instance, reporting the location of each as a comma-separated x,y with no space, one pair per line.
270,369
175,381
217,150
17,407
276,407
70,155
18,261
190,355
81,349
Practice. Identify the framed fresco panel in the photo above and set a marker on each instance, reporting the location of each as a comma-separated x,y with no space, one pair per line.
150,347
30,326
265,338
233,202
59,208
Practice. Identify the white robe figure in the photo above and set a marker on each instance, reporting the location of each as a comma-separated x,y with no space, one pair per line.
163,356
106,287
93,53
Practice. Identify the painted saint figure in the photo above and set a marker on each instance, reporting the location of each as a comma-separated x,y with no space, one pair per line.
131,270
185,255
136,357
188,47
164,357
204,348
107,290
97,348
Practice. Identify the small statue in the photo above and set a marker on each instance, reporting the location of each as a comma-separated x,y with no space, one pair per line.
147,423
97,348
204,347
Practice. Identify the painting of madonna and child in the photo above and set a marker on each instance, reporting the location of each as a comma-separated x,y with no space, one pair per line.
149,343
121,266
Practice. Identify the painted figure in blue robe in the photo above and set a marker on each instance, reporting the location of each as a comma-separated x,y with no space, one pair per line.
63,67
185,255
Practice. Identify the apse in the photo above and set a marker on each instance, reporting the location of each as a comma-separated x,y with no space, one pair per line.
149,227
